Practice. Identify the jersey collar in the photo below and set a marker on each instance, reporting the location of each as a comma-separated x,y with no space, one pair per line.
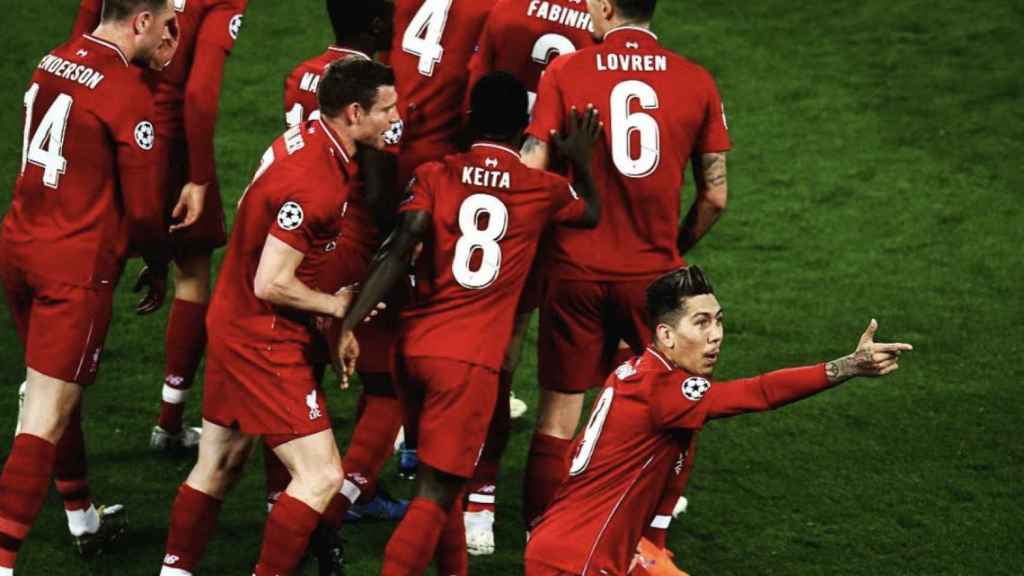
109,45
665,361
347,52
630,30
334,140
494,146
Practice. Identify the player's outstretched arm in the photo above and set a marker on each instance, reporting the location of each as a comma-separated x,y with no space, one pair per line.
782,387
712,193
578,148
276,283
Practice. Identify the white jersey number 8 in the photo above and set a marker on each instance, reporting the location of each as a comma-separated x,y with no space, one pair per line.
485,240
590,436
624,124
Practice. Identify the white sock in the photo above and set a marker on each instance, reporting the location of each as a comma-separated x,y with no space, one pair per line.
6,571
168,571
82,522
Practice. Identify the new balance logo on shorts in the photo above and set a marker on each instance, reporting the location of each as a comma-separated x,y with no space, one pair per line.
314,408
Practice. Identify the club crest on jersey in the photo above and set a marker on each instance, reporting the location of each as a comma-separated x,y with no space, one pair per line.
235,26
314,408
290,216
394,134
145,135
694,388
625,371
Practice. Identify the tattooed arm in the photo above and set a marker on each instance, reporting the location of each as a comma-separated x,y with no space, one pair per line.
712,191
535,153
869,359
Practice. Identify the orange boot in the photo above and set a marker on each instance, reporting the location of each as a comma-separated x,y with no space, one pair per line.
650,560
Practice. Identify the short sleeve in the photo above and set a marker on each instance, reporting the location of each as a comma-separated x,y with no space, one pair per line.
714,132
223,24
548,112
419,196
301,216
677,400
568,204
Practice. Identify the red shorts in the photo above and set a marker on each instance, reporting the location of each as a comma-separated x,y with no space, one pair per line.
453,402
581,324
266,391
61,326
534,568
209,232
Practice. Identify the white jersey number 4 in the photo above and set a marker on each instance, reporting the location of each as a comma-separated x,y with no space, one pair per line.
625,124
590,436
45,149
423,36
475,239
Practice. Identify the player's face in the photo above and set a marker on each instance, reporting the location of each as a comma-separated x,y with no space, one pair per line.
153,29
694,342
375,122
599,10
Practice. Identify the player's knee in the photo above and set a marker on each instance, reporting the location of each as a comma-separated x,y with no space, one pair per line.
325,482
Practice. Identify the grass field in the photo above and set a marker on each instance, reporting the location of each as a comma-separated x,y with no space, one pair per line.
872,175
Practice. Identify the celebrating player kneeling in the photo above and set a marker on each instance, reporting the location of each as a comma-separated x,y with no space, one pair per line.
479,216
260,380
648,410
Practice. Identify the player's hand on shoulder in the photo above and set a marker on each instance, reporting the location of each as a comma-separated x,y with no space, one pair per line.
190,206
577,145
869,359
152,278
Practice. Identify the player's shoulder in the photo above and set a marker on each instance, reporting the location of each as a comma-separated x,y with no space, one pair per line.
430,171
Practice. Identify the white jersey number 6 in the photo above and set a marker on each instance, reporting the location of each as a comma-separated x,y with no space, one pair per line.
624,124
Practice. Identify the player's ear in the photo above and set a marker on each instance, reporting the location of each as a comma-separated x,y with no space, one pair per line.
666,336
141,22
353,113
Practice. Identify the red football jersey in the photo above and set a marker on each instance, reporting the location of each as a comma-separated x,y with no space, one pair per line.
207,30
298,196
489,211
522,36
433,43
300,88
658,110
85,167
646,413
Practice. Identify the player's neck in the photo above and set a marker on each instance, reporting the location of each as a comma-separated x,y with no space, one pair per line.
118,35
341,132
616,23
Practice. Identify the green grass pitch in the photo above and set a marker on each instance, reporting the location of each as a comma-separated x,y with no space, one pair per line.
876,171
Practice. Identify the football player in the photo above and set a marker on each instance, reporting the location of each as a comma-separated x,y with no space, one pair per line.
260,380
520,37
659,111
187,96
479,216
86,176
648,410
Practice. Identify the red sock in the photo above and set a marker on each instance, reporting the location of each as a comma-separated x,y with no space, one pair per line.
276,474
372,444
482,489
546,467
185,342
286,536
451,548
193,519
412,545
70,469
23,487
